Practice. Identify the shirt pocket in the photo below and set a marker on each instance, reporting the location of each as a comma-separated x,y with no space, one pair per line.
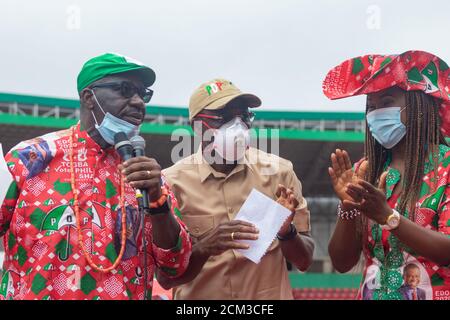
200,225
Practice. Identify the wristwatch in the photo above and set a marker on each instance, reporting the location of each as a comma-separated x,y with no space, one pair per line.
393,221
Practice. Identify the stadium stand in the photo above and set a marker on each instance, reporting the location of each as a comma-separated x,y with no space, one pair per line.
330,286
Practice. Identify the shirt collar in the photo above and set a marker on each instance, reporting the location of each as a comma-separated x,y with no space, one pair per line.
82,136
205,170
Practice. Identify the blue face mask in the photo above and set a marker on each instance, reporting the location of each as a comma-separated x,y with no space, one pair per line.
112,125
386,126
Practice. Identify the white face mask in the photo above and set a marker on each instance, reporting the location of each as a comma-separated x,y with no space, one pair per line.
232,140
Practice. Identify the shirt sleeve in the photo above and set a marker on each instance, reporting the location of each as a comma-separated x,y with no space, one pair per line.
302,214
173,262
9,203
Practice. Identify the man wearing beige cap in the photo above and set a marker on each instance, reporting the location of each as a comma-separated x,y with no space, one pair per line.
211,186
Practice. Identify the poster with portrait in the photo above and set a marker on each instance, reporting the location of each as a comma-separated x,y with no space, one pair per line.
416,283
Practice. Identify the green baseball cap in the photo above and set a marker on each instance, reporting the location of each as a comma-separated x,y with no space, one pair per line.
112,63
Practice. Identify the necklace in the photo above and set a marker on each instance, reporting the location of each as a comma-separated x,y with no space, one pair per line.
77,215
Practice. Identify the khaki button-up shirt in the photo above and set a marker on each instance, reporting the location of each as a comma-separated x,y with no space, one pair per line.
207,198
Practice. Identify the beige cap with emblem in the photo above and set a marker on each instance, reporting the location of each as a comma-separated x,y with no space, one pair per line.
216,94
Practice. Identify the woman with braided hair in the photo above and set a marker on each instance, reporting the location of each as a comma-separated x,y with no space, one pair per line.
395,201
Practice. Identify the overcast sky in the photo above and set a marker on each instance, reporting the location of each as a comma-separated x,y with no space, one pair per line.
278,49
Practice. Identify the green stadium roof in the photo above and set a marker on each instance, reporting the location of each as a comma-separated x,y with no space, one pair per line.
183,111
167,129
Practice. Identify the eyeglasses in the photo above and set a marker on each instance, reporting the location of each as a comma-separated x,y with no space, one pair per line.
127,89
218,120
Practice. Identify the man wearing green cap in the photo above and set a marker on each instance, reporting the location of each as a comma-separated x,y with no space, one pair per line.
70,218
212,185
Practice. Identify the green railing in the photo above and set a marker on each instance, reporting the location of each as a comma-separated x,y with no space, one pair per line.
168,129
183,111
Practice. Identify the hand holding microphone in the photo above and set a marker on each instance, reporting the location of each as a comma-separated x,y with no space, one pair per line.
143,174
140,172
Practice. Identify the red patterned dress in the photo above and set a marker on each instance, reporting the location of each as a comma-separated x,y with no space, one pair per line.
43,259
394,271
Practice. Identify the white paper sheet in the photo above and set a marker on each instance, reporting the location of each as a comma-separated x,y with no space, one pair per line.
5,176
268,216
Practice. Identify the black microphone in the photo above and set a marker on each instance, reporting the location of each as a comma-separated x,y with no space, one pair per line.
138,144
123,146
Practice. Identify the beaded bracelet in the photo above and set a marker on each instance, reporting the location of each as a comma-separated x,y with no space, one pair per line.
160,206
158,203
347,215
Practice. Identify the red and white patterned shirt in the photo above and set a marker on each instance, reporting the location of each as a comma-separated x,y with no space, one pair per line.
43,259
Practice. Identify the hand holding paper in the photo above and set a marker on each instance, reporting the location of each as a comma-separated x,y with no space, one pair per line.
268,216
226,236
